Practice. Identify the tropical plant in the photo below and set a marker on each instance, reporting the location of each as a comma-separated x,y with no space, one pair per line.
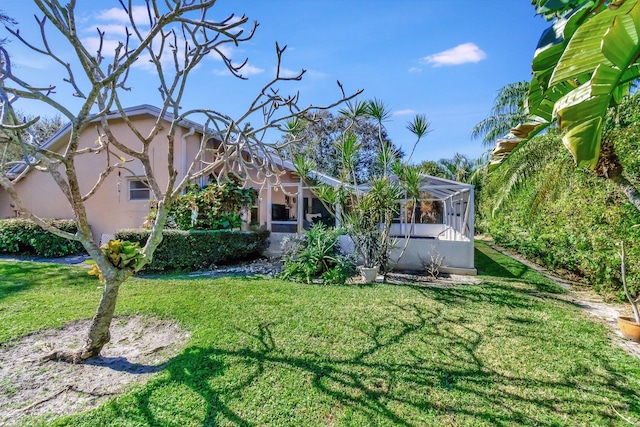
524,164
216,206
122,254
431,167
174,38
316,254
564,217
320,132
585,62
509,110
463,169
366,210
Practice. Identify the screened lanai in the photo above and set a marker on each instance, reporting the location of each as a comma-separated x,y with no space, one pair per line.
439,225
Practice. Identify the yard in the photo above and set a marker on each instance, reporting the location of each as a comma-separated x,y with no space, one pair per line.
267,352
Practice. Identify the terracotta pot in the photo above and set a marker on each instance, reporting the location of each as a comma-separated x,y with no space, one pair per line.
629,328
369,274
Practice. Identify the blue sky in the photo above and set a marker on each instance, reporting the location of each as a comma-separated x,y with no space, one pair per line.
443,59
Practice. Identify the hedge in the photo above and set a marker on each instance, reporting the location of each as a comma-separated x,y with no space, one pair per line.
191,250
23,236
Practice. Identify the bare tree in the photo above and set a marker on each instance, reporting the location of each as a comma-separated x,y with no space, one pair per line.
174,37
7,20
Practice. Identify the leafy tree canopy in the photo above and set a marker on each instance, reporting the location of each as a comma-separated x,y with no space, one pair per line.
321,134
40,132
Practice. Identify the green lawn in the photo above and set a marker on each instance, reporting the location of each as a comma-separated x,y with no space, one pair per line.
269,352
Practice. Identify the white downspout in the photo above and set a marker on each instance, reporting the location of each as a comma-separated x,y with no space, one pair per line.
300,208
183,150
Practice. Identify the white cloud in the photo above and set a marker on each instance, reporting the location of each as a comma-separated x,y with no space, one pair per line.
246,71
93,43
415,70
226,50
31,60
110,30
406,112
143,62
140,15
249,70
461,54
287,73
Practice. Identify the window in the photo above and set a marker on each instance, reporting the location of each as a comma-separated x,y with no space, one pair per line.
255,219
424,212
139,190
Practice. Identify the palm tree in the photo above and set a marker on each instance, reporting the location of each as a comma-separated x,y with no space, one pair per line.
463,169
509,110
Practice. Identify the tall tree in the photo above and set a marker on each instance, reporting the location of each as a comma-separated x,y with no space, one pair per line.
43,128
174,37
320,134
431,167
461,168
509,110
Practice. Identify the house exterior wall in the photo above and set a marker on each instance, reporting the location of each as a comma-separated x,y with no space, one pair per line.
110,208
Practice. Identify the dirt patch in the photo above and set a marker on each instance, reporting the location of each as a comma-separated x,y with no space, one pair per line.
140,346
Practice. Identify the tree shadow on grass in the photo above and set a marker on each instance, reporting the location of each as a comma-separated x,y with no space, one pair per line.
122,364
486,266
194,368
491,263
448,382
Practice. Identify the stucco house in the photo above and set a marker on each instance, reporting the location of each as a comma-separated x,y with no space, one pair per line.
122,201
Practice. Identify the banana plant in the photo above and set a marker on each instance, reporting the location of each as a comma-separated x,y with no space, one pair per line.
584,63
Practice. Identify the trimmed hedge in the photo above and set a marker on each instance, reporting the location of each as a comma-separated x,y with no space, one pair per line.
190,250
23,236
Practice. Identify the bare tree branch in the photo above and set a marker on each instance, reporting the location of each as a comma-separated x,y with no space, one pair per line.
175,37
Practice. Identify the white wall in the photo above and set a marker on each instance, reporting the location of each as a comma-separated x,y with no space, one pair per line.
418,229
457,254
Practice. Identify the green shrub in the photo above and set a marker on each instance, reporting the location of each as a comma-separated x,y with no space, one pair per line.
315,255
216,206
23,236
182,250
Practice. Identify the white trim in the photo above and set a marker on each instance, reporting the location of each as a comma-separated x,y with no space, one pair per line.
140,179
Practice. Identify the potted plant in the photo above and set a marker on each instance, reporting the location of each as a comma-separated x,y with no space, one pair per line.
367,245
629,326
368,224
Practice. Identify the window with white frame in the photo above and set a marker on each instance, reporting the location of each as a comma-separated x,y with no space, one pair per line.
139,189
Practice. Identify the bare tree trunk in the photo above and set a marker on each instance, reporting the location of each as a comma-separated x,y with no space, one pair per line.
98,335
629,190
609,166
99,330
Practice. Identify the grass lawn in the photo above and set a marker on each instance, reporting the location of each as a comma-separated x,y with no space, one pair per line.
272,353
